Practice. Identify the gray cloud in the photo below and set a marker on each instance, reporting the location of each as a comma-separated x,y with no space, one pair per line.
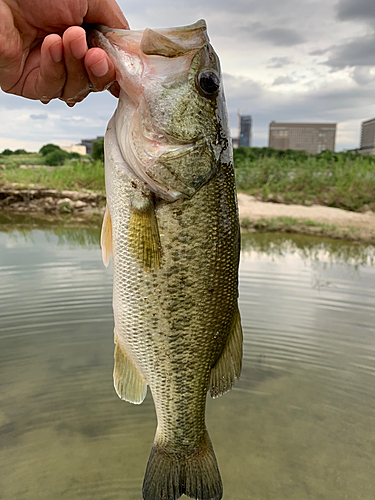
283,80
279,62
359,51
281,36
355,9
363,75
319,52
42,116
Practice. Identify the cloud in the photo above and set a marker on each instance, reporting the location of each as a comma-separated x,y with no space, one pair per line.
348,10
281,36
363,75
319,52
359,51
42,116
279,62
283,80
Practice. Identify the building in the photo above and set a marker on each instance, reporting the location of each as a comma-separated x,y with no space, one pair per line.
75,148
310,137
368,137
244,136
89,142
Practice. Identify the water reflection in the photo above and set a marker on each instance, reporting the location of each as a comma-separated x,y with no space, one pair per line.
310,248
299,424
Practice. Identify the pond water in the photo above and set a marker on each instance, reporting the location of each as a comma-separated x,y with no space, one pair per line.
299,425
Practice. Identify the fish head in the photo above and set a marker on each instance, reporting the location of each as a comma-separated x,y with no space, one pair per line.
171,122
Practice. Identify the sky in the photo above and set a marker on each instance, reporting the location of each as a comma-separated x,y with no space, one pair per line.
290,61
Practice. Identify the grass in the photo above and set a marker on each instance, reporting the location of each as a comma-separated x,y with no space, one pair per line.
341,180
74,176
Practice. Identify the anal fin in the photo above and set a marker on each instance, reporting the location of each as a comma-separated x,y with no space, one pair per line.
228,367
144,239
129,383
106,237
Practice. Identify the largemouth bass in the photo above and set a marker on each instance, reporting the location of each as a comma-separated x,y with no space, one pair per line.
171,225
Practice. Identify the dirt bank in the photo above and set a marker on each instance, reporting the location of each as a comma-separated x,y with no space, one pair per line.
50,201
316,219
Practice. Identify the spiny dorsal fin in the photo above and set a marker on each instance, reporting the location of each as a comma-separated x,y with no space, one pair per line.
129,383
155,44
106,237
228,367
144,239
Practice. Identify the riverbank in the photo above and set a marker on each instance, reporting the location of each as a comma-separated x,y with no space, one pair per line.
315,220
256,216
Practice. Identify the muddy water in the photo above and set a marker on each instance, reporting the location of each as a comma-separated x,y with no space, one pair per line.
299,425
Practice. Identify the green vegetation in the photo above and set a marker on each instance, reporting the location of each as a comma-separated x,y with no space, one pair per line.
48,148
76,176
50,155
98,150
56,157
342,180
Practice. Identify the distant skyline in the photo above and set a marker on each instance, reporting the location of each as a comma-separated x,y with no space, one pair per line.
291,61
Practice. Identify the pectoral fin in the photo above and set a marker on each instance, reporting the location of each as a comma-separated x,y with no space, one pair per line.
106,237
228,367
129,383
144,239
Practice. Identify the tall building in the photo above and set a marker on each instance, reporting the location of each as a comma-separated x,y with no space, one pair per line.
244,137
310,137
368,137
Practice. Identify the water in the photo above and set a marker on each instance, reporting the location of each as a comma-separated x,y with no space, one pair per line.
299,425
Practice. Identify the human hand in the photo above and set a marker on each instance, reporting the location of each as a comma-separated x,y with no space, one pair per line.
43,49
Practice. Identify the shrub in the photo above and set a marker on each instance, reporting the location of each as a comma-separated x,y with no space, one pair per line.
48,148
20,152
98,150
56,157
7,152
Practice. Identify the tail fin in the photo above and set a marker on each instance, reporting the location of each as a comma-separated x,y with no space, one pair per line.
170,475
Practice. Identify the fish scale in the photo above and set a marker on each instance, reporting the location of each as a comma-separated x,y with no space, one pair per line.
172,228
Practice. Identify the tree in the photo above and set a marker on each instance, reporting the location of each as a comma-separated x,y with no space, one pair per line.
98,150
7,152
49,148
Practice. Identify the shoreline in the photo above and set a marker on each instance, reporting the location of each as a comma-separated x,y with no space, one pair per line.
316,220
255,216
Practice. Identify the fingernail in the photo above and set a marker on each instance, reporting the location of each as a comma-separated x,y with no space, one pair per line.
56,52
100,68
78,47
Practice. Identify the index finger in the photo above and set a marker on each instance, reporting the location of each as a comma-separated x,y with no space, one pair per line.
106,12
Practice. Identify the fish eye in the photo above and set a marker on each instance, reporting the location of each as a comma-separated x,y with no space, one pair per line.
208,83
